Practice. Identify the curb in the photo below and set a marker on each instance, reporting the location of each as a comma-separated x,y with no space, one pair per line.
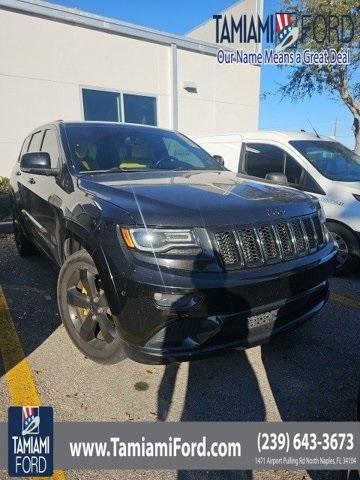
6,227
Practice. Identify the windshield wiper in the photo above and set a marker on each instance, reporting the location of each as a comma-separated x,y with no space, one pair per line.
117,169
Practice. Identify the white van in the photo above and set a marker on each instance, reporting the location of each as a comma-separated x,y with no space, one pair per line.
316,164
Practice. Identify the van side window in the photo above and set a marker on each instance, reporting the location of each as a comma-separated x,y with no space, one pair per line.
261,159
293,170
310,185
35,142
50,145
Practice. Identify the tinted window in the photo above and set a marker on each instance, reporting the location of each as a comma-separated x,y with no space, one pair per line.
261,159
293,171
309,184
140,109
50,146
24,147
100,105
332,159
35,142
104,147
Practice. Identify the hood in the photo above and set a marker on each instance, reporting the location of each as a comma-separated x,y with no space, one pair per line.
189,199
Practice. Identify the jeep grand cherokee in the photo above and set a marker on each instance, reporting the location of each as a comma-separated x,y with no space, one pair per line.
164,254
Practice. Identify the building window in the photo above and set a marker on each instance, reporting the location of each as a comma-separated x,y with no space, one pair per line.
140,109
100,105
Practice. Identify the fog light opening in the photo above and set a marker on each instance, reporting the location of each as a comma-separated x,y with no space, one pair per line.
177,302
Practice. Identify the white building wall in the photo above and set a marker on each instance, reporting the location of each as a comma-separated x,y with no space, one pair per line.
207,30
44,63
227,98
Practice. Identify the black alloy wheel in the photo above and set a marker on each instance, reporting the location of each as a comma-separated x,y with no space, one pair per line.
85,311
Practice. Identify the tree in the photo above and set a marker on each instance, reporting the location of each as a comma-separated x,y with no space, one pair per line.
341,81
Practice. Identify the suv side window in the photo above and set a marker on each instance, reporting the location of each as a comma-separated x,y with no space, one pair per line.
50,145
261,159
35,142
24,147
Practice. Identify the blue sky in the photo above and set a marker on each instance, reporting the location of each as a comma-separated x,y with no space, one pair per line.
179,16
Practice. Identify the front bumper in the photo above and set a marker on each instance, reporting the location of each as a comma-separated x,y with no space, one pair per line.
234,312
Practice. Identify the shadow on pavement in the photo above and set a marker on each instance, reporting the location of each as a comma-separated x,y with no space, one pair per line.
29,285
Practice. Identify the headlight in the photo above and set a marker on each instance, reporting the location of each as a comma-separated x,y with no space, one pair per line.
157,240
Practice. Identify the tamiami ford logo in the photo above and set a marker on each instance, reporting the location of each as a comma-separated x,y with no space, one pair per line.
287,34
30,441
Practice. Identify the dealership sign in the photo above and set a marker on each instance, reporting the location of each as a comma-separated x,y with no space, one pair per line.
286,32
30,441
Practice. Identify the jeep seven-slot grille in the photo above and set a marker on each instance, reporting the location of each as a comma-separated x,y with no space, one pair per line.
250,246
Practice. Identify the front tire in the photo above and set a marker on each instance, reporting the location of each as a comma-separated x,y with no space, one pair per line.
85,311
348,258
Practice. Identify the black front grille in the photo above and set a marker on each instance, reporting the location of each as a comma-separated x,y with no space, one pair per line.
286,243
251,246
227,246
268,241
297,228
310,233
318,230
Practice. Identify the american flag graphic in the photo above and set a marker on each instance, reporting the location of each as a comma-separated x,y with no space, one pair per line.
283,20
30,420
287,32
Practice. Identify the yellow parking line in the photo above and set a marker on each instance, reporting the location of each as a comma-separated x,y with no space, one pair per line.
349,302
19,379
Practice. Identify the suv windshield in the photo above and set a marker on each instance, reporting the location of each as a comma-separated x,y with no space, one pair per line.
332,159
119,147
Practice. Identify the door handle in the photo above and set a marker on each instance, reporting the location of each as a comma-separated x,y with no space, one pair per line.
32,181
18,173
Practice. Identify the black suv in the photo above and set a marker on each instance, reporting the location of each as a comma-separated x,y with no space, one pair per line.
164,254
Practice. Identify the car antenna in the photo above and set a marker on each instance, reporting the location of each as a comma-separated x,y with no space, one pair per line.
312,126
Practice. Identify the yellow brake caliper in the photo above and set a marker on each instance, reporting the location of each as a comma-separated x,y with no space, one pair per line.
84,311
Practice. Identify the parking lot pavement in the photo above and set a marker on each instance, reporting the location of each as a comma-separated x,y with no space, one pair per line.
311,373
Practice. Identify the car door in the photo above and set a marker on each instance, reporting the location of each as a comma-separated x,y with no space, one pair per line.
20,184
26,186
46,199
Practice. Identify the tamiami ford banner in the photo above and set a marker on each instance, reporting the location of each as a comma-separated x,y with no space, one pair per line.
192,446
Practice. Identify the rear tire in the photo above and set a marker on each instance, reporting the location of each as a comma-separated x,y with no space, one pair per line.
24,246
348,259
85,312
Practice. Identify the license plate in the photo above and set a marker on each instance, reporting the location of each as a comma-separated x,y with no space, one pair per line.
262,319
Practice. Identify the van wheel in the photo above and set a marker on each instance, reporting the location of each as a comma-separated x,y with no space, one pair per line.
24,246
85,311
348,258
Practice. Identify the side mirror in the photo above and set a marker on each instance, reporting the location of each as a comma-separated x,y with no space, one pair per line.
219,159
277,177
38,163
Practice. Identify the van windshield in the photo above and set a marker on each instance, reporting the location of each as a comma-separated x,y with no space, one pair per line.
101,147
331,159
